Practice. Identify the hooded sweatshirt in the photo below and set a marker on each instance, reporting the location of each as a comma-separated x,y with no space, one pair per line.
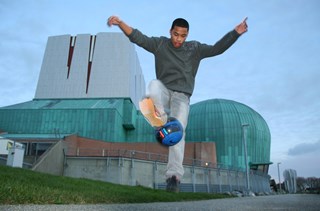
176,68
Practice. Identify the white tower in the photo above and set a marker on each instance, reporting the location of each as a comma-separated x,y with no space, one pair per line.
86,66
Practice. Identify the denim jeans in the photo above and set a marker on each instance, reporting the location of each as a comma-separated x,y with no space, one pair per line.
172,104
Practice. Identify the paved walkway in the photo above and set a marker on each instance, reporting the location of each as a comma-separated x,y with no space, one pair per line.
297,202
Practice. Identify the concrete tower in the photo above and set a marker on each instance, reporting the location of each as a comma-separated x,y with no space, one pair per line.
87,66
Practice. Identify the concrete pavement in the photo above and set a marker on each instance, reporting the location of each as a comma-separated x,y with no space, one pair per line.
297,202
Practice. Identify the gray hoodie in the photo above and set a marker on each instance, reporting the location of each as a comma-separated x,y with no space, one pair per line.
176,68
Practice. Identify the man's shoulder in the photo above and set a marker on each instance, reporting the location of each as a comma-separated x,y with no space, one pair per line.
192,42
163,38
191,45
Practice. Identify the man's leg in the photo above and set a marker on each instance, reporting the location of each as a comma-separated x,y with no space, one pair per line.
179,105
160,96
173,104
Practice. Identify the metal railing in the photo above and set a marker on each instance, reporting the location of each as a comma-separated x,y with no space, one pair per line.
148,156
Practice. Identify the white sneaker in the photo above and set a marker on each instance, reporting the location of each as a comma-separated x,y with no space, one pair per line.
151,113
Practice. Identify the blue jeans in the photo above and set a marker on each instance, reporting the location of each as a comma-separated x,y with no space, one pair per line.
172,104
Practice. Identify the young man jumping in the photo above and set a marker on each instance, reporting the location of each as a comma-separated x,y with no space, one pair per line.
177,62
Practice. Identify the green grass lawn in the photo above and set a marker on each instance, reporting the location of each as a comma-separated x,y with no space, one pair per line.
22,186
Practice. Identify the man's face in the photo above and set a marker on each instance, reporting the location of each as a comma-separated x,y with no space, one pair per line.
178,36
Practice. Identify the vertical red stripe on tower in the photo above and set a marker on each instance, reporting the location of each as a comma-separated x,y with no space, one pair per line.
90,58
71,48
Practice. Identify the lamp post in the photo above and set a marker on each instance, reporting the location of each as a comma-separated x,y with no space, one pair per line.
278,164
246,155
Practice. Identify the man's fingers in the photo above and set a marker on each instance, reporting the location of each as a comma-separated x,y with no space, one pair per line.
109,23
111,20
245,20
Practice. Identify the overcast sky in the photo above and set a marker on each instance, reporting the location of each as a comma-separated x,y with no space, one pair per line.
274,68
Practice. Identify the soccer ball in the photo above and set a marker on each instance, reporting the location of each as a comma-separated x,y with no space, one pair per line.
170,133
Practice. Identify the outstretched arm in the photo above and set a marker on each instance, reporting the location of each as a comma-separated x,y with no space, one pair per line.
114,20
225,42
242,27
134,35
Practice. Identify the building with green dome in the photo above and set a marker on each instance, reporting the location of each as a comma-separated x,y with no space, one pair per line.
217,121
224,122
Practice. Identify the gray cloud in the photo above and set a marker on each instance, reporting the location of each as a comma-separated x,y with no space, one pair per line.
304,148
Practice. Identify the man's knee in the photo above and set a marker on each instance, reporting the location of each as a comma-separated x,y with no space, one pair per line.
155,88
155,84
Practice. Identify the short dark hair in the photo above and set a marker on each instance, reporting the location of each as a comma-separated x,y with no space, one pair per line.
180,22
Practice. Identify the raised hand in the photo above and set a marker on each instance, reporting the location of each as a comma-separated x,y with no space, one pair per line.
113,20
242,27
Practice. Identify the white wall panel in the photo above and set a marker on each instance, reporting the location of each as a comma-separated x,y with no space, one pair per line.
54,70
77,81
115,68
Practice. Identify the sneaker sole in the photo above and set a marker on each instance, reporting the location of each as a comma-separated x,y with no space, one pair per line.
147,108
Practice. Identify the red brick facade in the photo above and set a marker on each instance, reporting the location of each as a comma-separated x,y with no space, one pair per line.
204,152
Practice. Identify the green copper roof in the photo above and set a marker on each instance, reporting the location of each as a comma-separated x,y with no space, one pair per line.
102,119
117,120
221,121
68,104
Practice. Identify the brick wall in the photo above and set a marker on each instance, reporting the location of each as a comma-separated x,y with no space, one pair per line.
80,146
